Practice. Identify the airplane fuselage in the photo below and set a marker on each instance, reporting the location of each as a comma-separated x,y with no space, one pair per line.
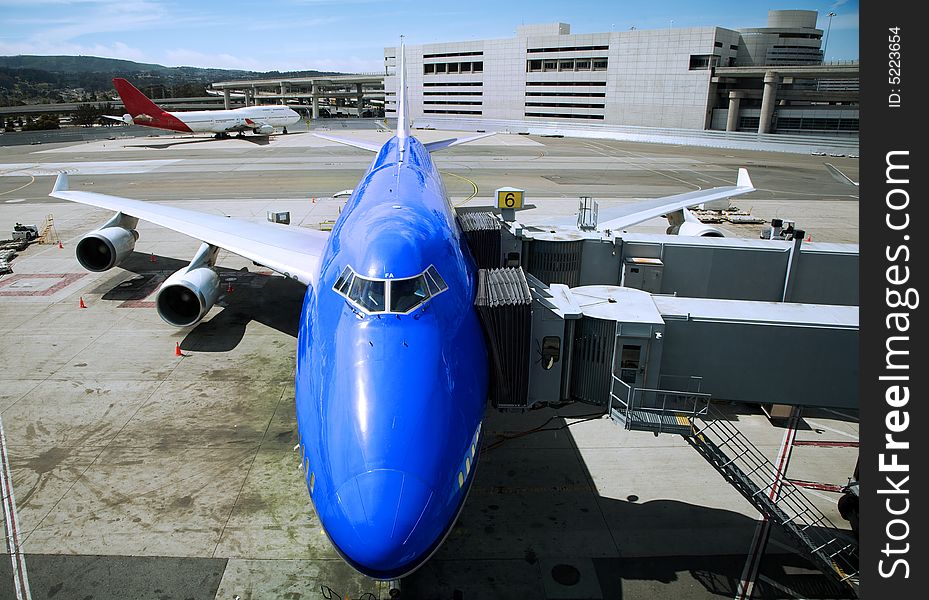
247,118
392,373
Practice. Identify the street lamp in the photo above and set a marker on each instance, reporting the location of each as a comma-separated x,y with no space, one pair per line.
828,28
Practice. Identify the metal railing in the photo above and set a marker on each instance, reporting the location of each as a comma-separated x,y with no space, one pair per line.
743,465
658,410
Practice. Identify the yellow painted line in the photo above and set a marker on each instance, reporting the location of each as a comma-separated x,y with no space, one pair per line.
31,181
473,186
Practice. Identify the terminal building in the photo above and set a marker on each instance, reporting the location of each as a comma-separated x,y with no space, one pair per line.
766,80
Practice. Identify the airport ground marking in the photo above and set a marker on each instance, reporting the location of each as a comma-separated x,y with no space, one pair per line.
11,522
31,181
473,187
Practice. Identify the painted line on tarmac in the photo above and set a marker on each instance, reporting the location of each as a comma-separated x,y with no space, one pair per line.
473,187
31,181
11,523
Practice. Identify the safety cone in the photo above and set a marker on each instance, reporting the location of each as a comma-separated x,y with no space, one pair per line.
60,245
152,258
82,303
809,238
177,349
314,200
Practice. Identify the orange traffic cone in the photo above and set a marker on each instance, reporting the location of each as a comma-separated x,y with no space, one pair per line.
152,258
82,303
177,349
810,238
60,245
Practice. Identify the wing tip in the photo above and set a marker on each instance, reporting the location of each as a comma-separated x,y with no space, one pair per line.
744,180
61,183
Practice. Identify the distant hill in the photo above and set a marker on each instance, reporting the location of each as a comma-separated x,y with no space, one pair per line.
49,79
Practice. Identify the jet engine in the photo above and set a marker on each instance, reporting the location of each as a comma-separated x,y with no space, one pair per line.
683,222
264,129
190,293
105,248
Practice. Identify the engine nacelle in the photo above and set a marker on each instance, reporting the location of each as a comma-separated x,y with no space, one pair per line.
187,296
264,129
105,248
684,222
699,229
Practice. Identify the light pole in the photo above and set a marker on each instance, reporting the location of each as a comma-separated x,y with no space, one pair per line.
828,28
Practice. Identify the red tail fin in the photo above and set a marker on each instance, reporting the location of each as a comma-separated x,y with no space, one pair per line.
144,111
136,102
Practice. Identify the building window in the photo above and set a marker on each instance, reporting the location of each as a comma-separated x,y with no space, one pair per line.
428,69
477,67
582,65
699,61
533,66
600,64
565,65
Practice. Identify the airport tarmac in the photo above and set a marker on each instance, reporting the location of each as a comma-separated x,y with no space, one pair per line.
138,473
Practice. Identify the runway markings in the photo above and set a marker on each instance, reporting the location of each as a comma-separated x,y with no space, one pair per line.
31,181
11,524
473,187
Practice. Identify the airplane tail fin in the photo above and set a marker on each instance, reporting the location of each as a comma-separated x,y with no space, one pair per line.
403,117
136,102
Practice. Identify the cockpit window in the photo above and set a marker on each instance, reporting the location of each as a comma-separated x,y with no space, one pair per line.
407,294
389,295
368,293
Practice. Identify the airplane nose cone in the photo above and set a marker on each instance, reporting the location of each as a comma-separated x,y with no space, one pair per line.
376,529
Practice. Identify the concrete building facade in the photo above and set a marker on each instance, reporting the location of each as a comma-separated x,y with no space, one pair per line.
651,78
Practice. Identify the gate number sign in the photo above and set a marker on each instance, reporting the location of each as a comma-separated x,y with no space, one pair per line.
510,198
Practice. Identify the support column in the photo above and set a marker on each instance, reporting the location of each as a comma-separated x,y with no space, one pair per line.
283,92
732,120
768,102
314,94
226,100
359,97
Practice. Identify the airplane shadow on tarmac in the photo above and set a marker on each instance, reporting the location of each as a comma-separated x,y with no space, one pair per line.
536,526
258,140
245,296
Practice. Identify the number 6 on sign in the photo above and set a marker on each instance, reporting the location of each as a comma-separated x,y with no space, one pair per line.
508,197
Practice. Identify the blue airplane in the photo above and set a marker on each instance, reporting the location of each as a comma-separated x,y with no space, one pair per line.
392,369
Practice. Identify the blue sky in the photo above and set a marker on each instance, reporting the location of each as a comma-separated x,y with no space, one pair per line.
350,35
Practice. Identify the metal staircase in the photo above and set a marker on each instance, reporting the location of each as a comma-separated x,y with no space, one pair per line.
783,503
741,463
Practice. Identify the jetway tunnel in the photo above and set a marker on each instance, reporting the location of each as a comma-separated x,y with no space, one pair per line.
557,318
603,344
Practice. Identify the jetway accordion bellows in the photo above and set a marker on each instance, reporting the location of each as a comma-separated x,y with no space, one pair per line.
482,230
504,304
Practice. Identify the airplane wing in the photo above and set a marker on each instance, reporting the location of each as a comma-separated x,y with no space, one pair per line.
294,252
373,147
630,214
433,146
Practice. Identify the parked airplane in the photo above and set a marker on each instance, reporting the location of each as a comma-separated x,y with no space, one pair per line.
392,369
259,119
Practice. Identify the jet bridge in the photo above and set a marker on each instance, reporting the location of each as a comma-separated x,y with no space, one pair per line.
607,344
652,363
680,265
